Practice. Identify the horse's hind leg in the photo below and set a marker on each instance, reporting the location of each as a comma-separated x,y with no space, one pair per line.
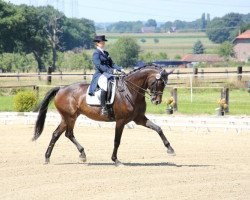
70,134
144,121
56,134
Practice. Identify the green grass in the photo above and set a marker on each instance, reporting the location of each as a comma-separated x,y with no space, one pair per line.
6,103
172,44
204,102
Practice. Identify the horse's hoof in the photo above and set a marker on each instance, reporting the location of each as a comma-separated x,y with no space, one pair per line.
118,163
171,152
46,161
82,159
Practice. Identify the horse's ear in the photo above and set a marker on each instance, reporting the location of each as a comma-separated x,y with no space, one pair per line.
170,72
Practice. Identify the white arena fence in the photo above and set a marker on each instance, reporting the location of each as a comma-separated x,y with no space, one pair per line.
187,123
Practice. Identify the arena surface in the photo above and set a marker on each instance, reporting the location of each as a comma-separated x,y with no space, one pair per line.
207,165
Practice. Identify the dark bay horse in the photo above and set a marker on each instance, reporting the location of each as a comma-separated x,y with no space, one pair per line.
129,105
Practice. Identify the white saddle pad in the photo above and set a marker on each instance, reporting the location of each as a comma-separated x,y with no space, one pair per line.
96,99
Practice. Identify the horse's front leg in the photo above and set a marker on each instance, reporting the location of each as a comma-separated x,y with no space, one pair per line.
144,121
118,134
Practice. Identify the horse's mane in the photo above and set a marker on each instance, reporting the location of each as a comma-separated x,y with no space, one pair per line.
146,66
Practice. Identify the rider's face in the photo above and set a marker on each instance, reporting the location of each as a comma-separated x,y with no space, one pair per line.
100,44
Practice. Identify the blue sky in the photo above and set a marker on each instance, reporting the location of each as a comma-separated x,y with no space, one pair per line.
133,10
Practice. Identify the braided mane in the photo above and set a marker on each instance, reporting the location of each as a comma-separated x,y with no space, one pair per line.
146,66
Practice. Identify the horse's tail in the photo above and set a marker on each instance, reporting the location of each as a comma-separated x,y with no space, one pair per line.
42,112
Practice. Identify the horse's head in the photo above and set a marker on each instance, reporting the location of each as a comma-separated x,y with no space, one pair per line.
156,84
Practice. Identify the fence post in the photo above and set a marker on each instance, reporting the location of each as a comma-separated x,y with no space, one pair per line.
36,89
226,71
195,74
18,78
84,75
178,73
61,75
39,75
174,95
202,73
225,95
49,75
239,72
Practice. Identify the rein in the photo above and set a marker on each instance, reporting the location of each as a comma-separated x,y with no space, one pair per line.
154,84
126,82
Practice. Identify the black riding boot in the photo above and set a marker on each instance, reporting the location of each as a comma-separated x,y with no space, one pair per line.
104,110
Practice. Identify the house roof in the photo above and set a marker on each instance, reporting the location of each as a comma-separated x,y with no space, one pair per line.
202,58
245,35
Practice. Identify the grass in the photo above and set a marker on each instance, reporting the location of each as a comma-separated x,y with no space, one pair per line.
6,103
204,102
173,44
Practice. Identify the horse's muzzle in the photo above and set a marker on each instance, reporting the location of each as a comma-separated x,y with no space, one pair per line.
156,102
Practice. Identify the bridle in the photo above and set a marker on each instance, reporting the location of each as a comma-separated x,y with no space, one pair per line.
153,88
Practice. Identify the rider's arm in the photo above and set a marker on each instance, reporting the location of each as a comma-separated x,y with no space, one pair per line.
97,63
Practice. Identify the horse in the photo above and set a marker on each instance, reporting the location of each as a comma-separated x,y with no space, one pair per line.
129,105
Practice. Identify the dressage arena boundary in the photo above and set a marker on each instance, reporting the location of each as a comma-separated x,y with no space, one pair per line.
187,123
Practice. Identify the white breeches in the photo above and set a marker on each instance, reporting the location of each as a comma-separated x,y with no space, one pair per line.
103,82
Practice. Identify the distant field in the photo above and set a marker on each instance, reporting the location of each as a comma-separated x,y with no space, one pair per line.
173,44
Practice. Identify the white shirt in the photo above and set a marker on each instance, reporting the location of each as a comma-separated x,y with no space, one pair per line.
100,49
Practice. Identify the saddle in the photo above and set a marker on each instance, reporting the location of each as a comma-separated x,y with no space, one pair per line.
96,99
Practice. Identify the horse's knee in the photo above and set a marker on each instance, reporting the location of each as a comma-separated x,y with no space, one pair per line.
68,134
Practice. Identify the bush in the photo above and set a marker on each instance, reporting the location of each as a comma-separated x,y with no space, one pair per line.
25,101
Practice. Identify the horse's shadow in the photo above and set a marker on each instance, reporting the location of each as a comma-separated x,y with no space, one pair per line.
157,164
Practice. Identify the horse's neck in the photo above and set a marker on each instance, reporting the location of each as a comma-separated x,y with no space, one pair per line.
139,78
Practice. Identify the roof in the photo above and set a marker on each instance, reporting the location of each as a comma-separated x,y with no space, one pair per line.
202,58
245,35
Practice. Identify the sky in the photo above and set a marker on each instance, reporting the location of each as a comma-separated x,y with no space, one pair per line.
134,10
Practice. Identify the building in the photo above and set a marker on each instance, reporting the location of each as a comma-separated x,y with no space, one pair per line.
242,46
209,58
148,29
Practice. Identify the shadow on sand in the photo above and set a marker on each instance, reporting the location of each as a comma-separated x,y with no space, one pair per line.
159,164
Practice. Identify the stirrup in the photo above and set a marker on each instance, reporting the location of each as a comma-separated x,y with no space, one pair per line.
104,111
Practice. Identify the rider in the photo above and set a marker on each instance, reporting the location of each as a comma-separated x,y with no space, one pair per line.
104,70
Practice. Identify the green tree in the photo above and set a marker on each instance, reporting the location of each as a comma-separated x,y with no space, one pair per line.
125,51
150,56
156,40
222,29
203,22
7,17
125,27
77,33
151,22
226,50
198,48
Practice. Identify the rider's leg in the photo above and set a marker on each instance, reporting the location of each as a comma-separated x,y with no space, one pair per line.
103,84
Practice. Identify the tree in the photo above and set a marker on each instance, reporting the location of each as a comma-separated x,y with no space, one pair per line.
7,17
198,48
125,51
151,22
226,50
125,27
203,22
156,40
77,33
222,29
150,56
